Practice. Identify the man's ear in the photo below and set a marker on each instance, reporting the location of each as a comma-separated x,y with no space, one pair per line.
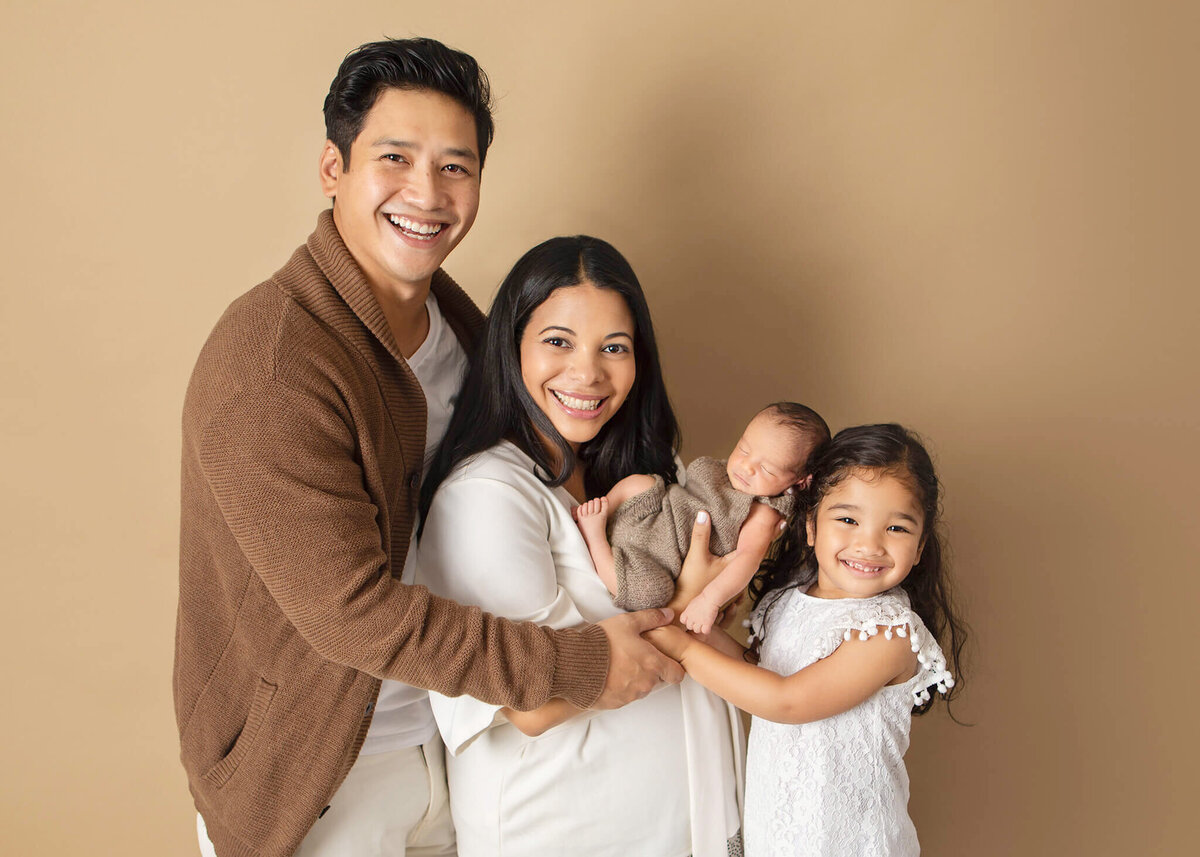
804,483
330,169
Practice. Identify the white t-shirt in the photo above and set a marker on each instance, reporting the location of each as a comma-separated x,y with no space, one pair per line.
659,776
402,714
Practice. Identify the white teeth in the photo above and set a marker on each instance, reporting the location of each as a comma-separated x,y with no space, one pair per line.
858,566
423,230
577,404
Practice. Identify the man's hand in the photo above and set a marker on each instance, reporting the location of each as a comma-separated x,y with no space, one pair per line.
634,666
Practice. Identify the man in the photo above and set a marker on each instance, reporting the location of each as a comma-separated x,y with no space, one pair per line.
311,411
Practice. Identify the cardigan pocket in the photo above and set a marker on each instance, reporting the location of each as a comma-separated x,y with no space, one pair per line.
220,773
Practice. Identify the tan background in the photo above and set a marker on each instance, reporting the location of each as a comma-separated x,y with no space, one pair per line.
969,217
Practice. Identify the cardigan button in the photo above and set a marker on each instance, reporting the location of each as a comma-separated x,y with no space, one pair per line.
414,480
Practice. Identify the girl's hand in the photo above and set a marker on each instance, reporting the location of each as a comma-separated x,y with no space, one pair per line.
671,640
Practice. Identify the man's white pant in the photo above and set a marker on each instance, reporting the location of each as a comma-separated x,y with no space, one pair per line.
390,805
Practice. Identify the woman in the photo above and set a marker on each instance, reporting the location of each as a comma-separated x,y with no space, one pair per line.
566,398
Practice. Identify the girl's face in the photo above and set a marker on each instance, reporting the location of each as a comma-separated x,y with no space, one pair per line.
577,359
867,533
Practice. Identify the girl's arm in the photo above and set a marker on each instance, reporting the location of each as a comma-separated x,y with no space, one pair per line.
534,723
754,538
837,683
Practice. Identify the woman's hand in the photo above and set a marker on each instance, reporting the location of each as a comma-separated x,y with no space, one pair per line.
700,567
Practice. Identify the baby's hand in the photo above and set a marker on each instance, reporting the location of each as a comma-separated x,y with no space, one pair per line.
700,615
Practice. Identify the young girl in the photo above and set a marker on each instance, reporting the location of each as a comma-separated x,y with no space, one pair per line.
747,495
848,617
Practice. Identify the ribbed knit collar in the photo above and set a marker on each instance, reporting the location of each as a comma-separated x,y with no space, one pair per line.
338,265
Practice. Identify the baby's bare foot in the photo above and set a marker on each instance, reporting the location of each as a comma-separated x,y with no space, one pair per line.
592,518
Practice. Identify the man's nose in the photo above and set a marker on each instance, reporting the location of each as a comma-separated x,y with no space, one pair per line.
423,188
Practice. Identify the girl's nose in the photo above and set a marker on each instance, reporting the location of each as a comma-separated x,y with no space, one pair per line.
867,542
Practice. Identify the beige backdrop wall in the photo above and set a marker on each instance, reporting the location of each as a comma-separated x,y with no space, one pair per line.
969,217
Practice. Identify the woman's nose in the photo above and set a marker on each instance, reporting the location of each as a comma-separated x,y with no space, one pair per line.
586,368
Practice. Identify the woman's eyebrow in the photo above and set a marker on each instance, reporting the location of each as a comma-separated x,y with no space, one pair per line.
620,333
556,327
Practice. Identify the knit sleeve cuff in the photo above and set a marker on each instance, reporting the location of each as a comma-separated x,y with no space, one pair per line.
580,664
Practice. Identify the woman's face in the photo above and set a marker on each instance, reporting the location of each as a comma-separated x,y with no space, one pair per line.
577,359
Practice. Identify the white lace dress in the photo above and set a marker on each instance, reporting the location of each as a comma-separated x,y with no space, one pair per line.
837,786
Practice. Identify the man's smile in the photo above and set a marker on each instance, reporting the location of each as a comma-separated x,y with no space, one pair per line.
421,231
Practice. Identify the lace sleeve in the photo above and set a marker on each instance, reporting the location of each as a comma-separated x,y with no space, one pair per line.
891,614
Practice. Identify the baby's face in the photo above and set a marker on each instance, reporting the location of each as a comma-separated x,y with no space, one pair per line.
767,458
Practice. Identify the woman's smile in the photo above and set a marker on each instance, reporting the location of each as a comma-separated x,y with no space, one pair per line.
579,407
577,359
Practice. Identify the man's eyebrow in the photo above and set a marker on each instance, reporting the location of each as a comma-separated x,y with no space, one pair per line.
453,151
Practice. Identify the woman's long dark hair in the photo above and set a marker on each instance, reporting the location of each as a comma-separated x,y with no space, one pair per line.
641,437
880,449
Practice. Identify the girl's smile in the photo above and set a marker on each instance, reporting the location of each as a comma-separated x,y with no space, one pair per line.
577,359
867,534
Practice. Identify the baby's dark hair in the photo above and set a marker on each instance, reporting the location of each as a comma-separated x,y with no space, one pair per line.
804,422
891,450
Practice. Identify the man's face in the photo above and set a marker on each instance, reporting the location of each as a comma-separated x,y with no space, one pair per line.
412,189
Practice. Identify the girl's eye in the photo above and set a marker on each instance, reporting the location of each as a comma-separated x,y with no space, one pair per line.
896,528
846,520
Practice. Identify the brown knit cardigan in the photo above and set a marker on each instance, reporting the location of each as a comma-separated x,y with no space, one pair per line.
303,436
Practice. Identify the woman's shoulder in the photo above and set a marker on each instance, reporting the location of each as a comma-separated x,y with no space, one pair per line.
504,462
501,476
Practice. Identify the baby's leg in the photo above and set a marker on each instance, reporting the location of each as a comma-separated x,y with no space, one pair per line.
628,487
592,518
